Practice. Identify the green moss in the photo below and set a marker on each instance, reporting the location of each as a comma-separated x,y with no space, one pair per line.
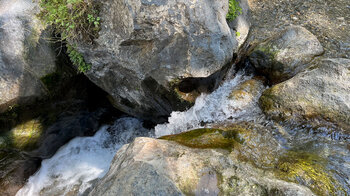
188,98
24,136
238,34
266,100
208,138
309,170
234,10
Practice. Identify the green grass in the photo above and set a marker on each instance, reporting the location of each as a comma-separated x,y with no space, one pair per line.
234,10
72,20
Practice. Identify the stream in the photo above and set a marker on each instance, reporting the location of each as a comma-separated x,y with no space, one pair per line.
78,165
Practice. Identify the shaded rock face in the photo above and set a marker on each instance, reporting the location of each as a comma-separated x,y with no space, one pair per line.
143,45
322,92
286,54
187,171
24,55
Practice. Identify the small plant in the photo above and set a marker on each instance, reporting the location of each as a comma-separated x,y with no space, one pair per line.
238,34
234,10
76,20
73,20
77,59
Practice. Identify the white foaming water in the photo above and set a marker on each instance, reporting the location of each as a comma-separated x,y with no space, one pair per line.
76,165
208,108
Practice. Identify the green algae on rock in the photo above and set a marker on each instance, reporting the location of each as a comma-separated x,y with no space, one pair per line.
248,90
247,141
309,170
207,138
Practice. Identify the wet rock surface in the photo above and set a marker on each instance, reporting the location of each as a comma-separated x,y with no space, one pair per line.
286,54
144,45
248,91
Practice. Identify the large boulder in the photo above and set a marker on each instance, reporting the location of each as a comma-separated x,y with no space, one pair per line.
159,167
144,46
229,159
286,54
322,92
25,56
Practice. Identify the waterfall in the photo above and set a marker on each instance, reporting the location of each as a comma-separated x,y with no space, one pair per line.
78,164
209,108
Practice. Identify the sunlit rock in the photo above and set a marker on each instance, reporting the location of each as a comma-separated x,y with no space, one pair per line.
248,92
158,167
322,92
25,55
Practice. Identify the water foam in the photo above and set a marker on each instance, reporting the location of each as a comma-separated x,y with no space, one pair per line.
76,166
209,108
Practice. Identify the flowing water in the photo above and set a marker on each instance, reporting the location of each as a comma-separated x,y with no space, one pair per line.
76,165
80,163
209,108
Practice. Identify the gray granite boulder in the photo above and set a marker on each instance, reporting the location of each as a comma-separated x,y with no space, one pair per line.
158,167
144,46
25,55
286,54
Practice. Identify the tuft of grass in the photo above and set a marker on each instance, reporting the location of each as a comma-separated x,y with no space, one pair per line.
73,20
234,10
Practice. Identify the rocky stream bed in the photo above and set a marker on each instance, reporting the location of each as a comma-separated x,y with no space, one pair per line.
179,101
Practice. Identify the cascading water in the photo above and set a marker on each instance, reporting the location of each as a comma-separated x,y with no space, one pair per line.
79,164
76,166
209,108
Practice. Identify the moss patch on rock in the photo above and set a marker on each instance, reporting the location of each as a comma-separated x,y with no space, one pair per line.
309,170
246,141
207,138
